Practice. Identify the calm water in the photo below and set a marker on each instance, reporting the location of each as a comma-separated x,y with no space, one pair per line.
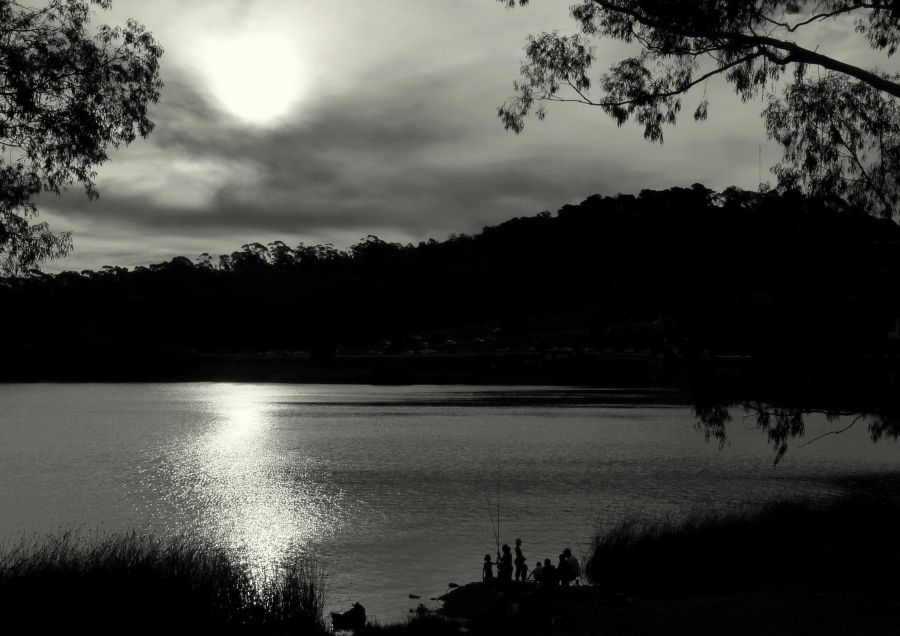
389,487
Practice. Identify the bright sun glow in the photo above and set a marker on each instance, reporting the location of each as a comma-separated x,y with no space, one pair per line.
258,77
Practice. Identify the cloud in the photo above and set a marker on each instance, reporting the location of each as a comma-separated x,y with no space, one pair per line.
394,133
426,166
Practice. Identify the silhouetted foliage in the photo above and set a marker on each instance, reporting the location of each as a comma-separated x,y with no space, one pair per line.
73,583
784,424
682,273
832,545
838,137
839,130
67,96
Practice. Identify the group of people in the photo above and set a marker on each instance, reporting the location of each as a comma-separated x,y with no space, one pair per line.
545,575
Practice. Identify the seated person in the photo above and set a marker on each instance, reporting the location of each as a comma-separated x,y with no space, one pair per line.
487,570
536,573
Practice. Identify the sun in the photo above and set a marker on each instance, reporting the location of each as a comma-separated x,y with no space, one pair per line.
257,77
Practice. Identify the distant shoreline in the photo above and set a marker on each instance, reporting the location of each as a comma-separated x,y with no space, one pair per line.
547,368
842,382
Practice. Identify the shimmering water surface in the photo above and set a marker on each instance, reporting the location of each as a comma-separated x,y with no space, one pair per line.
389,487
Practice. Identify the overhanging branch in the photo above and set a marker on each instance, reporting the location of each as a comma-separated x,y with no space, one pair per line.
796,53
652,97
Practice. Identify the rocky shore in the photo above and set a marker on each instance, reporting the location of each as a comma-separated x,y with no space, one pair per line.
578,611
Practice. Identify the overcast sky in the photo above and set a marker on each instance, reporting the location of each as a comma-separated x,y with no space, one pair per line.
325,121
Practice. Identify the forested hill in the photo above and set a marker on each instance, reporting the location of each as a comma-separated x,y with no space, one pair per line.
682,271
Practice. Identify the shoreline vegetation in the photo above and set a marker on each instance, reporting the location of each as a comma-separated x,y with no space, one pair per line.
800,312
792,567
813,378
575,297
137,584
824,566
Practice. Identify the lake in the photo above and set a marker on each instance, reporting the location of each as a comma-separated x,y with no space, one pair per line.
394,490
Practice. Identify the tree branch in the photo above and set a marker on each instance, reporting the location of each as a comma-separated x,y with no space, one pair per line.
862,169
814,18
653,96
796,52
837,432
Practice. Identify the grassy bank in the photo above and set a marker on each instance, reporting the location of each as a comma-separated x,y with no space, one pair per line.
131,584
846,543
807,567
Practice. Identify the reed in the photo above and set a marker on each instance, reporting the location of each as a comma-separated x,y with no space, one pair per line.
137,584
840,543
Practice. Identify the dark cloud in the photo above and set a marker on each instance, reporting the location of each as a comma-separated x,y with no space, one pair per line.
398,137
419,202
363,164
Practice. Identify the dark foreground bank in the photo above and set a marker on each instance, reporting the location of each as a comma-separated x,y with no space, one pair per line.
808,567
811,567
582,611
131,584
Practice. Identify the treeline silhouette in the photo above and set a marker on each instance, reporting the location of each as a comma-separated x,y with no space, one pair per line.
678,272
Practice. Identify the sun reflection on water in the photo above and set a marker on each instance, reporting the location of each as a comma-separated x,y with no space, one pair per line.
242,421
256,492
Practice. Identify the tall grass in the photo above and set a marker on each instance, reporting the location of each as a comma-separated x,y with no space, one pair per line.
135,584
840,543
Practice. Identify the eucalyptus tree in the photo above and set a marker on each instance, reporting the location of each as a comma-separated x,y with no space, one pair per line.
839,127
69,93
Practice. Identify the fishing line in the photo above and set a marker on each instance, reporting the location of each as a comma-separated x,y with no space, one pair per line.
494,526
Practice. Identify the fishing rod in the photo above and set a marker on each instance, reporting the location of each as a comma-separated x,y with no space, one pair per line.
498,519
494,526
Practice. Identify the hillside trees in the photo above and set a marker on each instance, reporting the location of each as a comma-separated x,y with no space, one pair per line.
68,94
838,127
685,269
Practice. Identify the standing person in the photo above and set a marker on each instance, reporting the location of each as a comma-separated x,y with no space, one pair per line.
574,567
505,566
487,571
562,570
521,568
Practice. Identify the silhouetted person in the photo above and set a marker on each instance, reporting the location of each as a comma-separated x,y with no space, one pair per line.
521,568
573,567
505,566
537,573
548,576
487,571
562,571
